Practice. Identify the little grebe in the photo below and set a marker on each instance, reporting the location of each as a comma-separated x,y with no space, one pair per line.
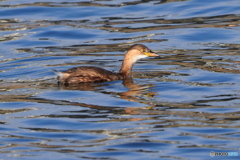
84,74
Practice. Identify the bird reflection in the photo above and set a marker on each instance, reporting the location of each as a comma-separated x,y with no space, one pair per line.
136,90
135,93
139,93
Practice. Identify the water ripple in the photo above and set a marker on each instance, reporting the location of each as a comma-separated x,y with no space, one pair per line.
181,105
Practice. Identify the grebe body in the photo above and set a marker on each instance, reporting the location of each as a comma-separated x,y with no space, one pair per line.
84,74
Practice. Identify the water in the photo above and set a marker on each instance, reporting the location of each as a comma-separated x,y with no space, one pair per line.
180,106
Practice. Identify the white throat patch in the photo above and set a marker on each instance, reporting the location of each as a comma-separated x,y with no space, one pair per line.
139,57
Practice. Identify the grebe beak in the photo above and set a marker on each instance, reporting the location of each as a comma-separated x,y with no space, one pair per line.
151,54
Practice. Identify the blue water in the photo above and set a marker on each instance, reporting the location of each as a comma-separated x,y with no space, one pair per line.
182,105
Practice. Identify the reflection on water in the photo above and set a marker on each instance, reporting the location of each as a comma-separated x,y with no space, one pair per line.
180,106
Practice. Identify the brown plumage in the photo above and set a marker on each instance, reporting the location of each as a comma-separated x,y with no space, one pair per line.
84,74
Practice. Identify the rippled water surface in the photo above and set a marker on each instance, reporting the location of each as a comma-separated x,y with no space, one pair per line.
182,105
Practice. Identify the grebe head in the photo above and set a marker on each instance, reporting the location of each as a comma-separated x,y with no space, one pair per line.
135,52
139,51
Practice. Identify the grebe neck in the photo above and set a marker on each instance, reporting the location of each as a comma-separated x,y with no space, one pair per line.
129,60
